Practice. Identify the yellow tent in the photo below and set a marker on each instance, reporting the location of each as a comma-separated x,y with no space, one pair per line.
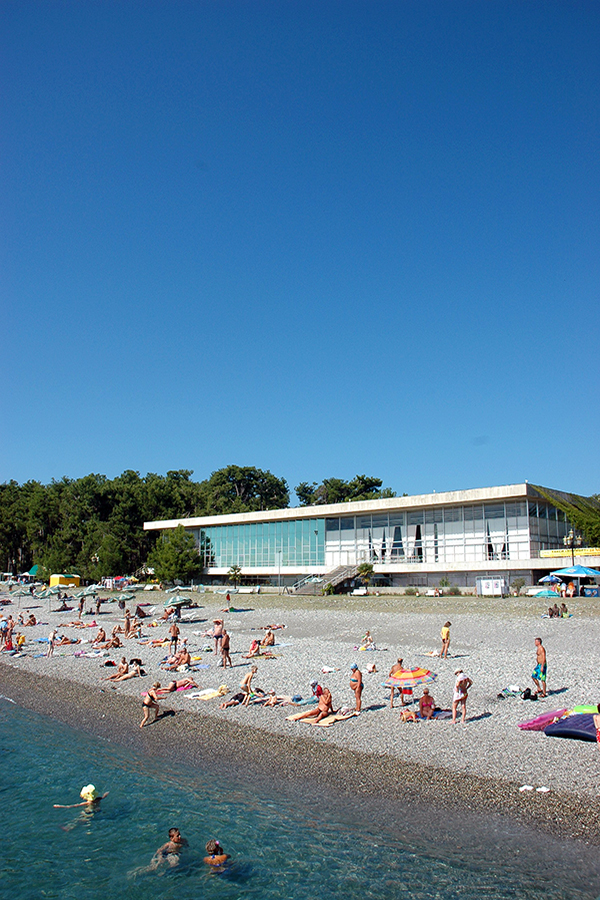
69,580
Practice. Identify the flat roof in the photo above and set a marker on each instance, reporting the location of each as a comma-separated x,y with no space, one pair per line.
445,498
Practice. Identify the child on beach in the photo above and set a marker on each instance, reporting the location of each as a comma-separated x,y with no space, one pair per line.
445,634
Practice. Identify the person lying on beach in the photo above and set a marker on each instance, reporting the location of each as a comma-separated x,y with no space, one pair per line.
62,640
268,640
150,701
113,644
180,684
234,701
246,684
170,851
91,799
139,613
135,629
64,608
426,704
134,672
117,630
100,637
122,669
180,659
216,855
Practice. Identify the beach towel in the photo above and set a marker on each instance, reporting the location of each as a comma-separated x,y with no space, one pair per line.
541,722
580,727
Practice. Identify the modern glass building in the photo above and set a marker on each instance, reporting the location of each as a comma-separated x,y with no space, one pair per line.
410,540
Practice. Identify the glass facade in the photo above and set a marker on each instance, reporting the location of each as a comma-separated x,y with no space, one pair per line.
297,543
515,530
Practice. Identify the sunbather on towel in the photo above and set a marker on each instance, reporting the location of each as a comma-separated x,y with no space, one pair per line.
325,707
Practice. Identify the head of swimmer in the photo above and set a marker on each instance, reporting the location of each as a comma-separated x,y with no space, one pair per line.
175,835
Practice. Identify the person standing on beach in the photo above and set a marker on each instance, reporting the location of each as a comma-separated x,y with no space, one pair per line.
225,644
246,684
538,676
445,640
149,702
397,667
461,694
81,605
356,684
217,634
51,642
174,633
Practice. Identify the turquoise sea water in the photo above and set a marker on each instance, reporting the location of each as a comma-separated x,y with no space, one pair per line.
283,844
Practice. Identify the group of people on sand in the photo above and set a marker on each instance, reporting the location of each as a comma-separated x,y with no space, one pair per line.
558,612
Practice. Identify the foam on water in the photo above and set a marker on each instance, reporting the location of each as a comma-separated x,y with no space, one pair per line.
282,844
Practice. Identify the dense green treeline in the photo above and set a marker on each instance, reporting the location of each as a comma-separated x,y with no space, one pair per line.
94,525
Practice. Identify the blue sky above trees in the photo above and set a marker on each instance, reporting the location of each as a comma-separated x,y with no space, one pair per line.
316,238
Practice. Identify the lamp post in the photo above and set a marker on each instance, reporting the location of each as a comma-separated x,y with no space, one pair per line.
571,541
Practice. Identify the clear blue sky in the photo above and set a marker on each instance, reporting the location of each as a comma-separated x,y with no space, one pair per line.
320,238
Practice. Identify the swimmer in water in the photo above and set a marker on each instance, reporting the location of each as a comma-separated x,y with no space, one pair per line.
216,855
91,799
170,851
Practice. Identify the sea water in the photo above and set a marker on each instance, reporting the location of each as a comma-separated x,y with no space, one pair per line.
298,844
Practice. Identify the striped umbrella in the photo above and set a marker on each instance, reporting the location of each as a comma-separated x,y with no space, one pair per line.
409,678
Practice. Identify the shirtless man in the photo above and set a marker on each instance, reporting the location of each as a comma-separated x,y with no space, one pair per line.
246,684
325,707
356,684
175,685
122,669
217,634
127,624
268,640
100,637
113,644
538,675
225,645
183,658
174,637
397,667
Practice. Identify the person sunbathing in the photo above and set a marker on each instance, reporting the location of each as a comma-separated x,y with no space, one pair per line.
234,701
135,672
180,659
30,621
268,640
122,669
113,644
64,640
180,684
135,629
325,706
100,637
253,651
426,704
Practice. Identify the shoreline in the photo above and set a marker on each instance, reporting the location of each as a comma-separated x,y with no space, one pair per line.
198,738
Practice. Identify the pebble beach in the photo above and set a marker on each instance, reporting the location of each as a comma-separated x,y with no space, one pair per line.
481,765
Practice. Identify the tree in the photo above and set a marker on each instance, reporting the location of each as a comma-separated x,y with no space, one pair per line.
582,512
234,575
336,490
176,556
365,570
243,489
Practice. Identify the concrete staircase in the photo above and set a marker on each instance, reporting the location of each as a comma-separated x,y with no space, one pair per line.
337,576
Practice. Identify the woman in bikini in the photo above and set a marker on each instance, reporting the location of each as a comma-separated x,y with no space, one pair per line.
149,702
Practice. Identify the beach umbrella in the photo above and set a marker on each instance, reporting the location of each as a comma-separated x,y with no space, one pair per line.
92,589
178,601
177,588
549,579
126,596
547,593
577,572
409,678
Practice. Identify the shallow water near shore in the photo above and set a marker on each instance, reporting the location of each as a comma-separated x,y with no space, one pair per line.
282,844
